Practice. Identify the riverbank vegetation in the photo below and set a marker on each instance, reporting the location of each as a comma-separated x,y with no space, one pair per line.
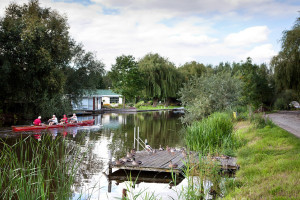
32,169
43,70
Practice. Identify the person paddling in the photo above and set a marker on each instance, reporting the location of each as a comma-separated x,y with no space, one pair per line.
37,121
73,118
53,120
64,120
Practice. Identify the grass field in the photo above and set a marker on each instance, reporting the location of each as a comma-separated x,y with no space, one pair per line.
269,164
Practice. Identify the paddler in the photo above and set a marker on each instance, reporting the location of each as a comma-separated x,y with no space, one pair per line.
53,120
64,120
37,121
73,118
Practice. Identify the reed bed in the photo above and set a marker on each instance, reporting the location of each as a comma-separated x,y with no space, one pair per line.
32,169
212,135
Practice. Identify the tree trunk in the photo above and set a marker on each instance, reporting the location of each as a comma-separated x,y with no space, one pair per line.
168,100
155,101
124,102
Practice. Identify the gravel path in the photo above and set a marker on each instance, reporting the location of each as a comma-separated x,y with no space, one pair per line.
288,120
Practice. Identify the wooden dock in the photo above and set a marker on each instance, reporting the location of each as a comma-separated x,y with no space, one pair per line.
159,162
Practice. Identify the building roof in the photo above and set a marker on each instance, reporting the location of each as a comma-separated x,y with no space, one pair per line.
102,93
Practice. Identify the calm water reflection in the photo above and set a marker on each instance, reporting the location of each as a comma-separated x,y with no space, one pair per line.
115,136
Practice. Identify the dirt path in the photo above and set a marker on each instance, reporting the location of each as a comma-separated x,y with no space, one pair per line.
288,120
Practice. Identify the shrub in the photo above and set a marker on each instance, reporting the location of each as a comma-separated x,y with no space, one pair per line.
261,121
205,95
139,104
281,104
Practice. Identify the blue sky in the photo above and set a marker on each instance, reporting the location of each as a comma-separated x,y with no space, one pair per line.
207,31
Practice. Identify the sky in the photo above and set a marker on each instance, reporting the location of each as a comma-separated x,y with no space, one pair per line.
205,31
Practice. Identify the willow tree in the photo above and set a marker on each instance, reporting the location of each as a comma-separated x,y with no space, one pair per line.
286,64
162,79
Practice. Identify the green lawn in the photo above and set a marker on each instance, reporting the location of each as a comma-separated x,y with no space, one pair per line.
269,164
156,108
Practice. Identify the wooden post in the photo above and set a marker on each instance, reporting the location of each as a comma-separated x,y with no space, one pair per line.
109,164
138,137
109,186
109,170
124,194
134,137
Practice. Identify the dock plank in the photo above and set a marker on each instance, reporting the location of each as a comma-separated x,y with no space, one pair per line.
160,160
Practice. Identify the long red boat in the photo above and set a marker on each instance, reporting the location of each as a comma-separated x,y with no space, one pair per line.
31,128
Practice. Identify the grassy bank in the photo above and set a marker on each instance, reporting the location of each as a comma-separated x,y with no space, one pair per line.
156,108
269,164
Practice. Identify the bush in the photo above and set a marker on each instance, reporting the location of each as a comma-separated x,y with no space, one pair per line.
260,121
202,96
281,104
242,112
139,104
284,98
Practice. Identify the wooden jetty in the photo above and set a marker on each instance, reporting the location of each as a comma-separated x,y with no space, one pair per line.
143,176
160,160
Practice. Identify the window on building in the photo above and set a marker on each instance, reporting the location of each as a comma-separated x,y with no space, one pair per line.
114,99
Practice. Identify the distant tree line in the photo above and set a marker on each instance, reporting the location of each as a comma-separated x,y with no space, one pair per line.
42,69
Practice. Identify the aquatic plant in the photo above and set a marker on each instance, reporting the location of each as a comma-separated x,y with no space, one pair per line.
32,169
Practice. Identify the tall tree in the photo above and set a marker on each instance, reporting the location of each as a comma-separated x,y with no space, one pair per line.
191,69
257,87
84,75
126,77
286,64
162,79
34,46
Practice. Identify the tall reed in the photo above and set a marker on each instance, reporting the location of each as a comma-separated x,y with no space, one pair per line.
32,169
211,135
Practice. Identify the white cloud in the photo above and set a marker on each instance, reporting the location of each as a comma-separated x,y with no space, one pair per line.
261,54
248,36
205,31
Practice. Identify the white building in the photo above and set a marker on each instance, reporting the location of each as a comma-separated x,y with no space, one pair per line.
93,100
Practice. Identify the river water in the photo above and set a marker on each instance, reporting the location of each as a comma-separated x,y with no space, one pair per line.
113,136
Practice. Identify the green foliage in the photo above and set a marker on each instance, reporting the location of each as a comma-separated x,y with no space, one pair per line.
85,74
191,69
284,99
260,121
286,64
258,87
241,111
139,104
162,79
35,45
35,55
126,78
212,135
204,95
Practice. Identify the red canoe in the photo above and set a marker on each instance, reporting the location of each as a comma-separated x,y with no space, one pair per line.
31,128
